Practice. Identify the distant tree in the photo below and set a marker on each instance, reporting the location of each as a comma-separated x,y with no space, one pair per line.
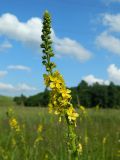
99,95
20,100
83,91
112,95
40,99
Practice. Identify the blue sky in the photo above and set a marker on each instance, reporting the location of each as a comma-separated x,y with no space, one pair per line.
86,36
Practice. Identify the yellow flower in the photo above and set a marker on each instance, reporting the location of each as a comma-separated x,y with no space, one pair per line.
37,140
58,86
65,93
80,149
52,85
82,108
40,127
14,124
60,96
72,115
60,119
50,107
56,112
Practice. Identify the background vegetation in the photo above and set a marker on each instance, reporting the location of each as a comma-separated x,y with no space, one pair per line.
106,96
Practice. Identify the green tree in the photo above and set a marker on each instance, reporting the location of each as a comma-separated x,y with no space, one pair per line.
84,94
112,95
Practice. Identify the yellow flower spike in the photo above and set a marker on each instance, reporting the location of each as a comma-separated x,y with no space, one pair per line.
60,119
40,128
60,98
80,149
50,108
104,140
10,110
14,124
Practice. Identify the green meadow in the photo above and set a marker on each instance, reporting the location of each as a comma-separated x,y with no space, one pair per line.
98,130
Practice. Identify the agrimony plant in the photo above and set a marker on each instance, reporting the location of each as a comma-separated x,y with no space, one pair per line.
60,98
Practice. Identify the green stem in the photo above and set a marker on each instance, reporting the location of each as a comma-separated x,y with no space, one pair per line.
72,147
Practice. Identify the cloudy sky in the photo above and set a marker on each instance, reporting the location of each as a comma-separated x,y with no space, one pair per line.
86,37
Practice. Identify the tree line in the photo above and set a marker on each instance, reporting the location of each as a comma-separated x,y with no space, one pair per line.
105,96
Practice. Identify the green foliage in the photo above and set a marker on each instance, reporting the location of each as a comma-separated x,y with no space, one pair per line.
106,96
98,127
20,100
40,100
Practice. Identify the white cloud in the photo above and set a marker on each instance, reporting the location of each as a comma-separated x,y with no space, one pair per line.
112,21
109,43
91,79
114,73
3,73
6,88
29,32
113,76
114,0
25,88
5,45
18,67
108,39
72,48
26,32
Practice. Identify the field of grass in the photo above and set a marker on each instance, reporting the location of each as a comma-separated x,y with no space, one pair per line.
99,135
6,101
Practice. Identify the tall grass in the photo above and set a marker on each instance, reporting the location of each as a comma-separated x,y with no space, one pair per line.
6,101
99,134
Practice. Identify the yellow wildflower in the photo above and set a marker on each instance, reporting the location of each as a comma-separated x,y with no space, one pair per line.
52,85
104,140
80,149
60,119
83,110
72,115
65,93
40,127
14,124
